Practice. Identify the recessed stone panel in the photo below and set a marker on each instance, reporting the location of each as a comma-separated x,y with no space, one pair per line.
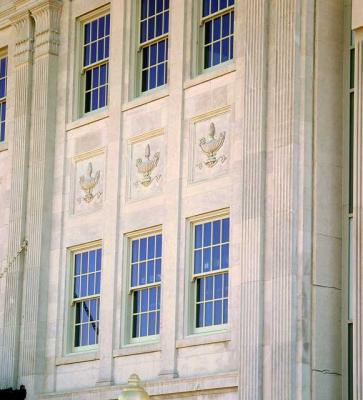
146,165
88,181
209,145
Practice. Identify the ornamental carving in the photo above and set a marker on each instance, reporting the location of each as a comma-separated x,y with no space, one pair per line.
210,146
88,183
146,166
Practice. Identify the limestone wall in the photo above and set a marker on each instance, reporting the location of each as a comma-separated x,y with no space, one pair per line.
280,104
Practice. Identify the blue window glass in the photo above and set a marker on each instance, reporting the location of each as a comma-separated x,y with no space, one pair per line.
145,285
218,25
86,297
154,28
95,63
210,271
3,90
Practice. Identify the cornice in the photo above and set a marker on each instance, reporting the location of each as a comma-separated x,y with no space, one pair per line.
5,14
21,6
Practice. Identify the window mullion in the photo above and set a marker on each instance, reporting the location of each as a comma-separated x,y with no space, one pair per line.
217,14
153,41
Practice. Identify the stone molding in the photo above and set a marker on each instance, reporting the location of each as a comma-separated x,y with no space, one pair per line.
163,388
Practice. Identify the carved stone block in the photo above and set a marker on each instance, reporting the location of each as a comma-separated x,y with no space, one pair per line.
146,163
209,145
88,181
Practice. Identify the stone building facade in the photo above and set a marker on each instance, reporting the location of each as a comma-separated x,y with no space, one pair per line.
181,198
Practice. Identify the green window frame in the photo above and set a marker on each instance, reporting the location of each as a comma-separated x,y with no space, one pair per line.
86,271
209,273
144,280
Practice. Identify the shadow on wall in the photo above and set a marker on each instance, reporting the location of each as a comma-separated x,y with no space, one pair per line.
13,394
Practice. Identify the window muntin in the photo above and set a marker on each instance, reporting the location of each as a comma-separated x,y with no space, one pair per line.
96,49
217,31
210,272
3,90
87,267
154,29
145,285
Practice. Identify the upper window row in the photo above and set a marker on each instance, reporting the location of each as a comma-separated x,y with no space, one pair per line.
216,32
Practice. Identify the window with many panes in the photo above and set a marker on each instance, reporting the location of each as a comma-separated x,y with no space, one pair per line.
217,31
3,90
145,285
96,49
86,283
153,43
210,264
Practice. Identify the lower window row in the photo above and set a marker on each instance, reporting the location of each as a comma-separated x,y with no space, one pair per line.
208,284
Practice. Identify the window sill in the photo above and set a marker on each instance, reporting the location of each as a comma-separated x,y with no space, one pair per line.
77,358
133,349
146,98
4,146
201,339
209,75
88,119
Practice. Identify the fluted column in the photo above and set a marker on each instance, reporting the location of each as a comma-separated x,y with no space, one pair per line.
253,121
41,159
284,201
358,217
9,353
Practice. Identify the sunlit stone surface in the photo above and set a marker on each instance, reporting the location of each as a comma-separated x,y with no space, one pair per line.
133,137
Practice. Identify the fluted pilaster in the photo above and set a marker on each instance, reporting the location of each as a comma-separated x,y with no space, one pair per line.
253,138
358,217
281,258
13,272
41,159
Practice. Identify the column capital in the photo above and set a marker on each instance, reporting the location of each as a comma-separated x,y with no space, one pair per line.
47,20
24,37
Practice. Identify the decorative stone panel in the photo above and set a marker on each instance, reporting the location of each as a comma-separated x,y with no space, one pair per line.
88,181
209,145
146,165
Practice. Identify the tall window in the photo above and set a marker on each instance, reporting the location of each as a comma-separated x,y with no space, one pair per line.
86,297
217,31
210,272
96,49
145,285
154,28
3,89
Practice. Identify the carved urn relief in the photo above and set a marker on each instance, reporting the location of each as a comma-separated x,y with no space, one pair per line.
209,145
88,181
146,166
